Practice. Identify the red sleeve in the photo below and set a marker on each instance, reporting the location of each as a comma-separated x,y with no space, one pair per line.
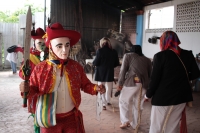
86,84
21,74
34,83
19,49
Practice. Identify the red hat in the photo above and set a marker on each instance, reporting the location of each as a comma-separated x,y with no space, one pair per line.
38,34
56,30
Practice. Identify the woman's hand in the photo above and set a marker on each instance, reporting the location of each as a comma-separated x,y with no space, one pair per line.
119,88
146,99
101,88
24,86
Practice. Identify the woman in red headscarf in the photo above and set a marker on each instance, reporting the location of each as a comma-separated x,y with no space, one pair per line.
64,76
169,88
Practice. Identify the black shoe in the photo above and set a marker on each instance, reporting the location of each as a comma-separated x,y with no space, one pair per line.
109,104
117,93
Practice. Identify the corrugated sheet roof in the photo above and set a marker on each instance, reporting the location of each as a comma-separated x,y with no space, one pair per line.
132,4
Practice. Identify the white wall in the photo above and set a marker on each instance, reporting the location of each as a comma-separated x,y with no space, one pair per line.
39,20
189,40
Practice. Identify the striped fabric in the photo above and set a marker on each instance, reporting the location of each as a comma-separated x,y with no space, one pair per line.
45,115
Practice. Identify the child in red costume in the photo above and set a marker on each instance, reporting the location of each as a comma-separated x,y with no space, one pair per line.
38,53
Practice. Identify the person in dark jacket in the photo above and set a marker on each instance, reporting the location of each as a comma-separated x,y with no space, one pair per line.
169,87
105,61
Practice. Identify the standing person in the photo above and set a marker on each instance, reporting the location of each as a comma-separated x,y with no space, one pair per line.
134,75
62,75
105,61
38,53
12,58
169,87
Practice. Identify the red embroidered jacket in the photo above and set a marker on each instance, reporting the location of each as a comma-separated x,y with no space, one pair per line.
34,60
43,79
32,63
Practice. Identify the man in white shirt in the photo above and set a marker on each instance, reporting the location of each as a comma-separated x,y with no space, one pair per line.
12,58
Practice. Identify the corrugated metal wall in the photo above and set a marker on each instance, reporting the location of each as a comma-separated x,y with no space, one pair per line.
10,35
63,11
96,18
129,20
1,52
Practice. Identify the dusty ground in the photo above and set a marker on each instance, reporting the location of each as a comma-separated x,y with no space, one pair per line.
14,118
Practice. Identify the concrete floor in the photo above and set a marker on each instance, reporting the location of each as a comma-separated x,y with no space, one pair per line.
14,118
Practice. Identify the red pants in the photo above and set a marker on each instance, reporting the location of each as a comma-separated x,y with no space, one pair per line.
32,104
69,124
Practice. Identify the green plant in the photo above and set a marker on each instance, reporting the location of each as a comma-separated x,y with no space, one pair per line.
13,17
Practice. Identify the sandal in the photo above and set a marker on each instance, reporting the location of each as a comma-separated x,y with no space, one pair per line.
125,125
104,107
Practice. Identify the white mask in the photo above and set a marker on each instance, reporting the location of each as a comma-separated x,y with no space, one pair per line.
39,44
61,47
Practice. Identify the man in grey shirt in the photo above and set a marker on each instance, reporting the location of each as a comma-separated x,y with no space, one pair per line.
133,79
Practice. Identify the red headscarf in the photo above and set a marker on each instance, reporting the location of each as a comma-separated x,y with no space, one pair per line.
170,40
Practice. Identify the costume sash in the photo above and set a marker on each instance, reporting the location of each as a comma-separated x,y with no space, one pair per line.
34,59
45,115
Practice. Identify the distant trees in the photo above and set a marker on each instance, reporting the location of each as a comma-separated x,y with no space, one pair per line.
13,17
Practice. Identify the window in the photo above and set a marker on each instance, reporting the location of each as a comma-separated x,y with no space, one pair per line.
161,18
